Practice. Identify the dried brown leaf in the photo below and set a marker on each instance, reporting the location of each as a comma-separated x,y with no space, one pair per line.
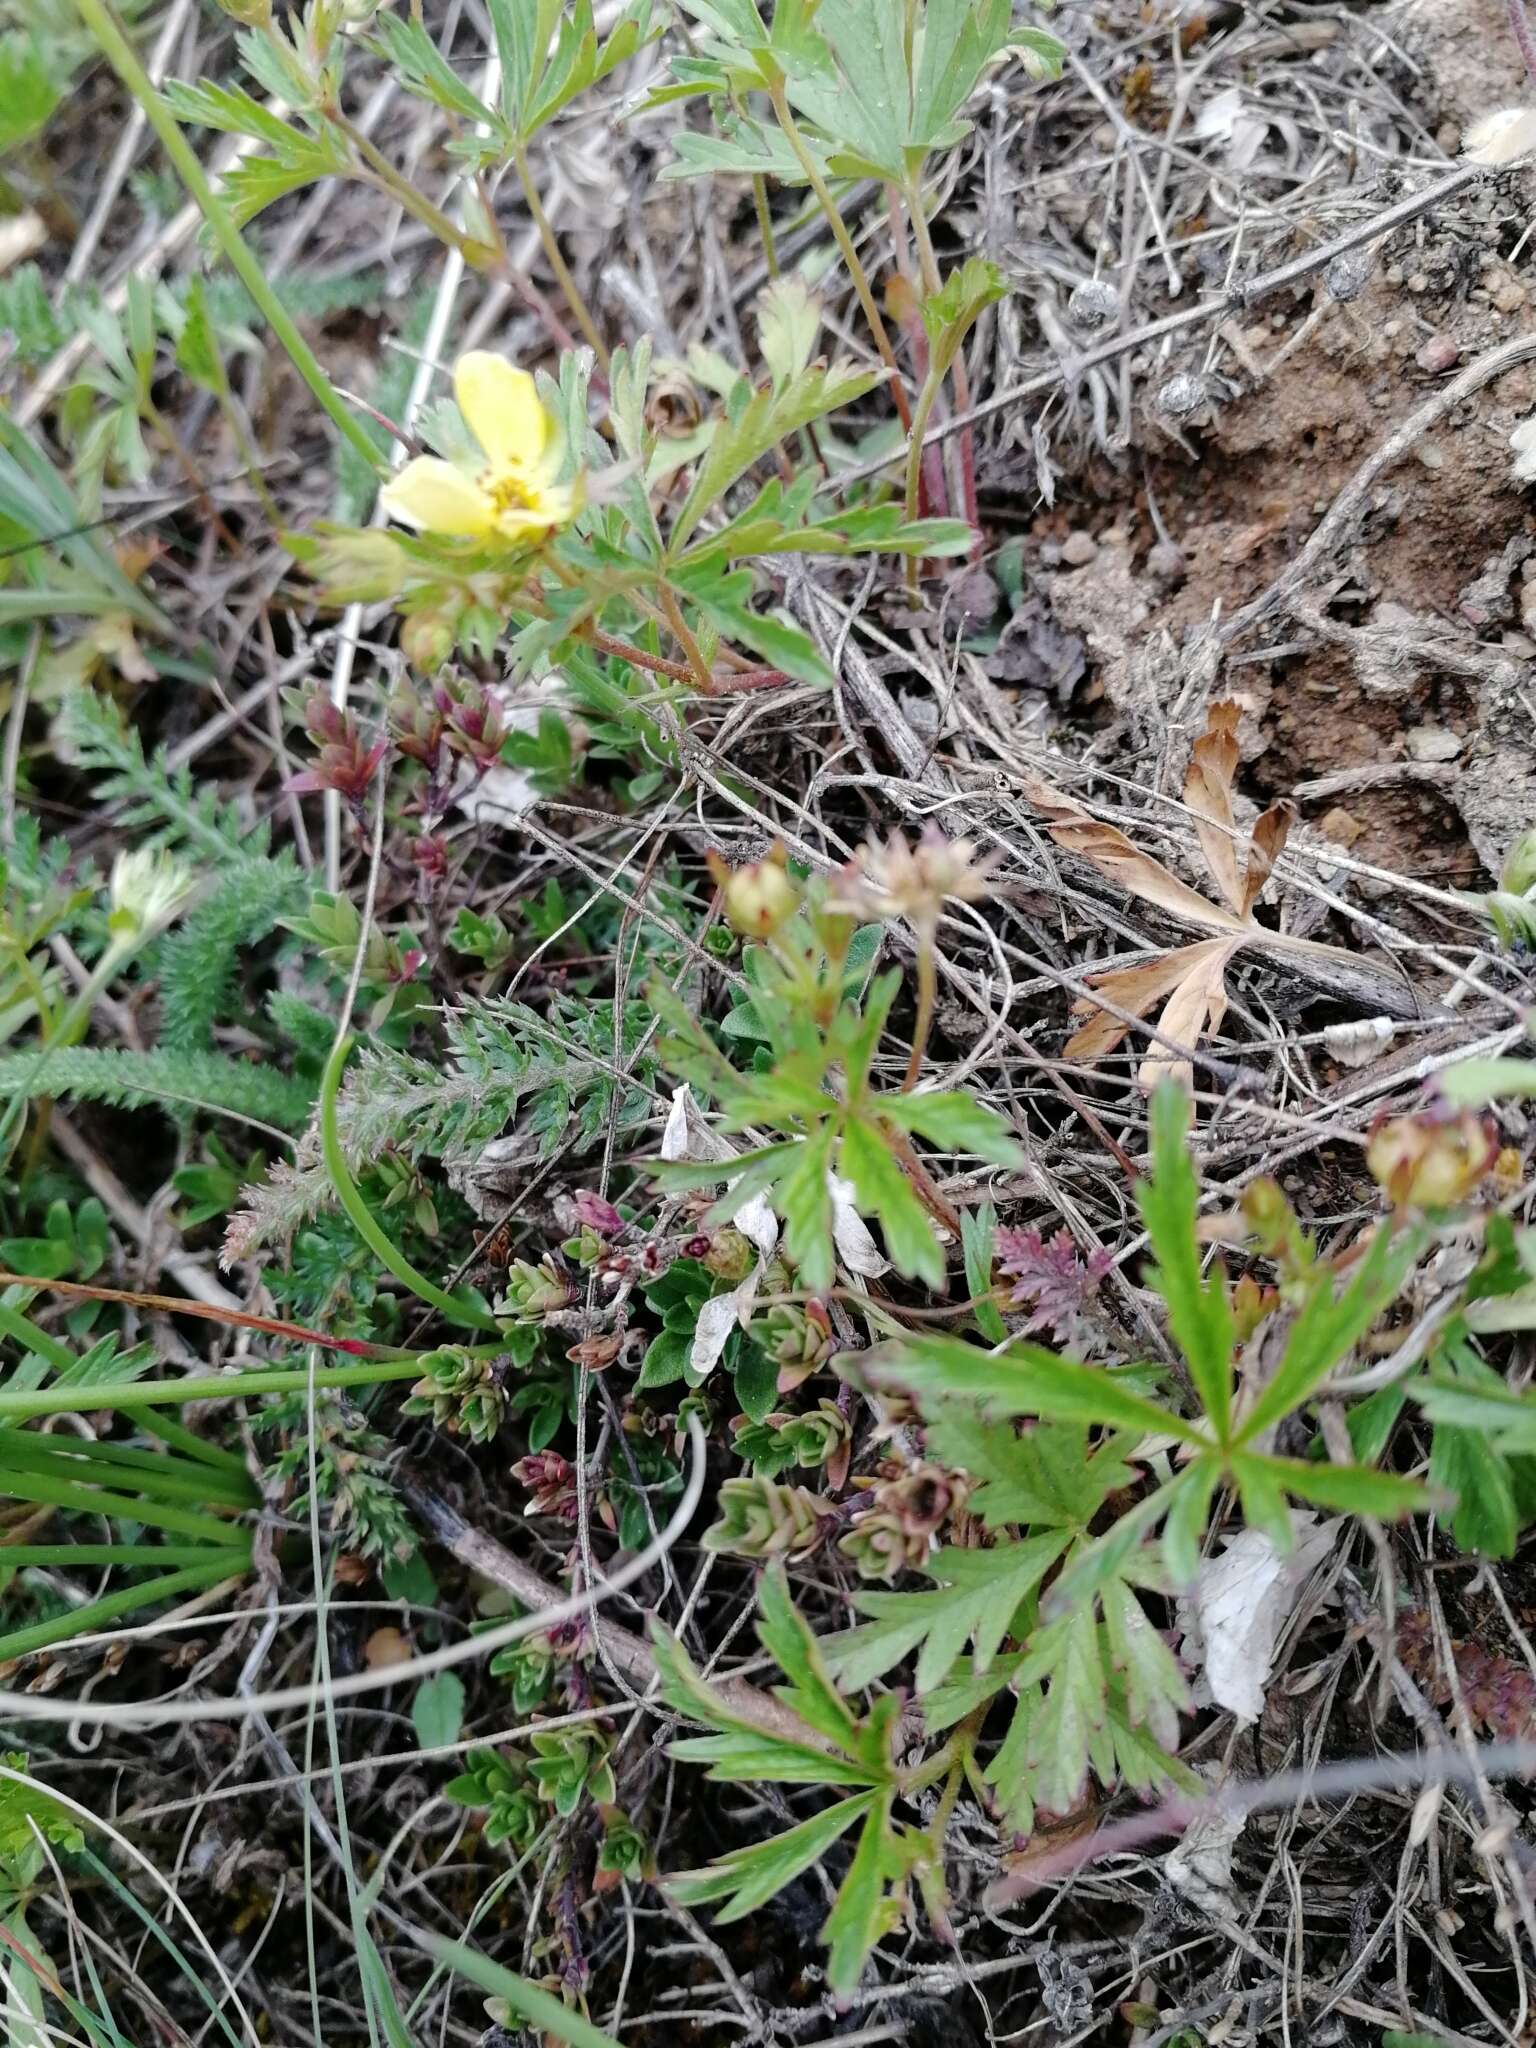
1265,848
1107,847
1196,1006
1136,990
1208,793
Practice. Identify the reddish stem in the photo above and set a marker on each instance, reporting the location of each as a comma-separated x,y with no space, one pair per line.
175,1305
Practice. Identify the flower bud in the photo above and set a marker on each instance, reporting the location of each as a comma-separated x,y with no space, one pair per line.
1430,1161
426,639
759,897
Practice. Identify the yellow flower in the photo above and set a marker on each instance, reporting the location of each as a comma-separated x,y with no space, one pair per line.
513,496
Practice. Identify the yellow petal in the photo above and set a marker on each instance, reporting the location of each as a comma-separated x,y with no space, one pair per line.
437,498
501,405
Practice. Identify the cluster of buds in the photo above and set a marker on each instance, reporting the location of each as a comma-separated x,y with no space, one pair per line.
571,1762
515,1810
529,1669
798,1337
896,1532
819,1439
474,722
594,1223
623,1855
760,1518
344,764
462,1394
1431,1160
551,1483
534,1292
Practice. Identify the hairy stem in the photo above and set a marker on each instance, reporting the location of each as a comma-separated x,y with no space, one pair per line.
580,311
844,240
378,1242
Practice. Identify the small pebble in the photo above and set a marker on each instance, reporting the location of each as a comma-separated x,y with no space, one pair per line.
1438,355
1093,304
1166,562
1507,293
1431,743
1078,549
1341,826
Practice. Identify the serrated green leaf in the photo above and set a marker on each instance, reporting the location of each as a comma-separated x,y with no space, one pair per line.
1354,1489
803,1199
955,1120
748,1878
766,419
1329,1327
1023,1380
788,323
855,1923
1464,1463
1198,1311
786,1636
423,70
30,87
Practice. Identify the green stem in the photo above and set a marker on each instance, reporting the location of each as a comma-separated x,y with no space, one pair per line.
382,173
81,1621
765,222
23,1331
20,1406
140,1556
926,399
927,988
180,1438
150,1472
95,1500
120,54
382,1247
580,311
844,240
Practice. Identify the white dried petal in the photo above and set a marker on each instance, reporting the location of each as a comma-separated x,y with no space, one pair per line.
1240,1603
1522,444
1503,137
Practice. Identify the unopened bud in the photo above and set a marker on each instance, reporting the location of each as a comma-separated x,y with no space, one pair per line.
760,896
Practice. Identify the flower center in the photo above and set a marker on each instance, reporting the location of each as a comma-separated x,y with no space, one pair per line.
509,491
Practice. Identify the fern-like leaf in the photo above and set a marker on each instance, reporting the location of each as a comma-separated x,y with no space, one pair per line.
502,1060
197,959
165,803
177,1080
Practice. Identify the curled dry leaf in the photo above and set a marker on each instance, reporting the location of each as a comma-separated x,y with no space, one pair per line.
1240,1603
1187,985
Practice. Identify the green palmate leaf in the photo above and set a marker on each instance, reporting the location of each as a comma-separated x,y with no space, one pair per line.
578,61
768,416
982,1593
957,1121
1198,1311
423,70
1023,1380
1329,1327
747,1878
1045,1476
1155,1692
882,1190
